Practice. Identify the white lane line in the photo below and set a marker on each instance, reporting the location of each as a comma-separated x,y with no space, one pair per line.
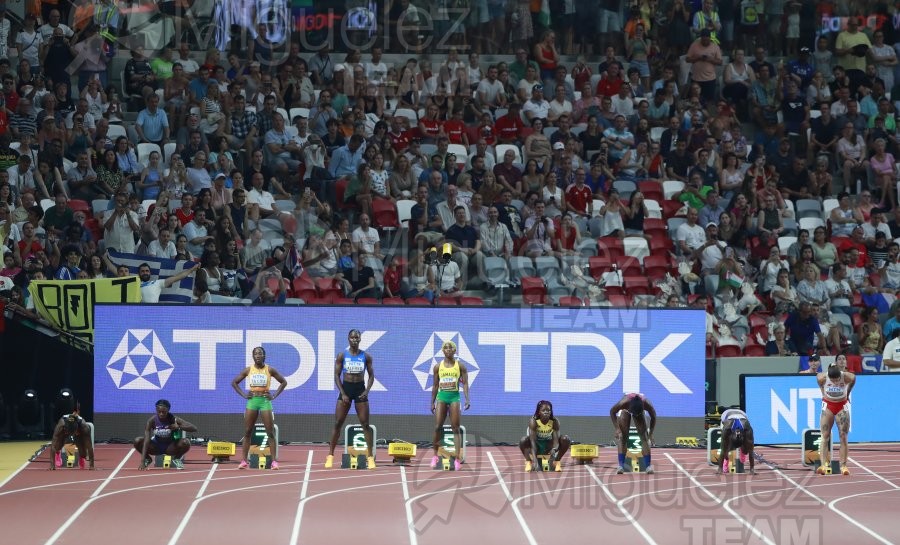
410,523
725,505
14,473
619,504
528,535
176,535
65,526
306,473
867,470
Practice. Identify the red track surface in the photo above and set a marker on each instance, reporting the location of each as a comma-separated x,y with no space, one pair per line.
490,501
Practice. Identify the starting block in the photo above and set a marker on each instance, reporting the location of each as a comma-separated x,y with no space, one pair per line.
260,455
447,448
355,459
634,450
402,453
221,451
544,463
584,454
637,461
163,461
448,463
734,462
812,440
355,447
70,451
687,442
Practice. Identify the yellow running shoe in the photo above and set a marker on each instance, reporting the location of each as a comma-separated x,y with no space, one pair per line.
845,470
528,467
329,461
820,470
370,462
558,467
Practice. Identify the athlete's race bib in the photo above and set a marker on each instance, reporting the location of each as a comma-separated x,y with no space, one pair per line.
448,383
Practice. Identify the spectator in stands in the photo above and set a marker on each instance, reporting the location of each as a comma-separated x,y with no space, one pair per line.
851,155
770,269
152,123
820,179
466,244
871,339
811,289
769,220
840,290
690,237
783,294
804,330
844,218
712,210
779,346
121,225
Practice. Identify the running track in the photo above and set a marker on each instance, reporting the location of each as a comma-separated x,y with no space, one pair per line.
490,501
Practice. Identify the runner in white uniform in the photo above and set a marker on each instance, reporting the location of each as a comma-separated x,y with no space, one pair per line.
836,386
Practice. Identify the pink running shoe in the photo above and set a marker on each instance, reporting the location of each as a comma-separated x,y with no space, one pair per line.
81,463
244,464
274,464
457,465
744,458
58,459
435,461
725,465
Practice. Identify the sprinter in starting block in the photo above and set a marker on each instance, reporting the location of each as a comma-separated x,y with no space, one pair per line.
543,439
836,385
736,434
164,436
630,409
71,428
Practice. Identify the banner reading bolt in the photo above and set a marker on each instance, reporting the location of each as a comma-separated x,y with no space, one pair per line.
581,359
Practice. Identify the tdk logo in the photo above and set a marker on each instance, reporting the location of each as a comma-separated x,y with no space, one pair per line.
140,362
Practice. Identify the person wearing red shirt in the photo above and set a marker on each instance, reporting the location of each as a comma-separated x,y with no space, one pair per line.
509,127
579,197
455,129
185,214
392,276
609,85
485,129
399,137
507,173
430,126
854,242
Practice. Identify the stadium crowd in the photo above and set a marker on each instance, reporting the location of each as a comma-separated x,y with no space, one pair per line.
735,156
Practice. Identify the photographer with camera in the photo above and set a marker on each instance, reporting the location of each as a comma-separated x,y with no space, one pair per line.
539,231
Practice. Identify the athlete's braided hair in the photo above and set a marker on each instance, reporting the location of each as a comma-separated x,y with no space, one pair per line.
537,409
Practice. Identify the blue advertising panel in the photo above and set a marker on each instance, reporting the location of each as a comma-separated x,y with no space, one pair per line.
581,359
780,407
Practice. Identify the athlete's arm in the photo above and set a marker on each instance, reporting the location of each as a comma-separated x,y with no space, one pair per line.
434,386
338,369
236,383
282,382
185,425
554,445
464,380
850,378
820,378
57,433
650,409
726,444
532,436
87,443
614,413
370,369
147,431
749,443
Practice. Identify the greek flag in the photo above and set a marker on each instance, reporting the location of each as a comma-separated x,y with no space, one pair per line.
182,292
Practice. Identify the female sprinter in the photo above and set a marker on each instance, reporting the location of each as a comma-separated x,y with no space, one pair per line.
448,375
543,438
73,428
159,437
736,433
836,386
259,402
632,406
354,364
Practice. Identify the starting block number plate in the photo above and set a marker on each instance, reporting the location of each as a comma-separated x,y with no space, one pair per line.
355,439
713,445
448,447
812,440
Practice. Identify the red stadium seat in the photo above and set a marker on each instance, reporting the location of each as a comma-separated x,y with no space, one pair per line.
755,351
304,288
534,292
628,266
599,265
396,301
471,301
418,301
385,214
618,300
670,208
329,287
570,301
636,285
651,189
610,247
729,351
656,265
757,320
655,225
78,205
447,301
660,242
342,301
367,301
340,187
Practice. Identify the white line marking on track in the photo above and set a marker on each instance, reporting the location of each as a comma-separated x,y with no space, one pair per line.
867,470
190,512
832,505
410,524
14,473
65,526
622,509
528,535
306,473
724,505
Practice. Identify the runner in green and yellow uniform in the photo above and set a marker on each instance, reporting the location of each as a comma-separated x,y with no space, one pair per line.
259,401
543,438
449,374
